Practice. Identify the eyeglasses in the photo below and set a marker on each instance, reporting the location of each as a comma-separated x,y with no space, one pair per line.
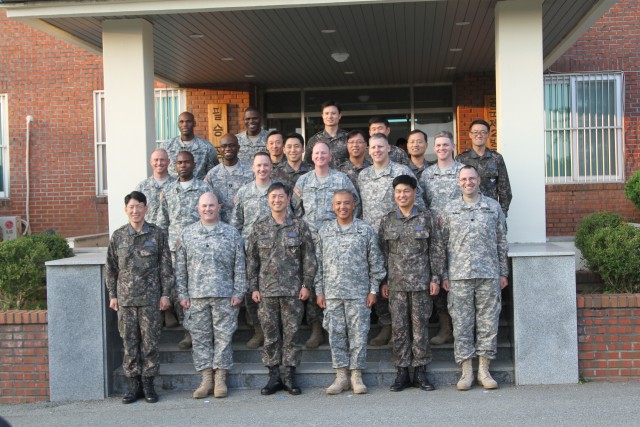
479,133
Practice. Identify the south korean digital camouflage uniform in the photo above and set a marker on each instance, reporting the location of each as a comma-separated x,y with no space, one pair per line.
204,153
475,239
210,269
248,148
281,258
352,171
154,192
493,173
337,144
138,273
350,266
289,176
398,155
419,170
228,182
413,259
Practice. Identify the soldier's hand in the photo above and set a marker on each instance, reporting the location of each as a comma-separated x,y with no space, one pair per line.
304,294
371,300
445,284
384,290
504,282
434,289
186,303
321,301
235,301
255,296
113,304
165,303
298,191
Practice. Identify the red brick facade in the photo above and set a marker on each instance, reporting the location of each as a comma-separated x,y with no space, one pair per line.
24,357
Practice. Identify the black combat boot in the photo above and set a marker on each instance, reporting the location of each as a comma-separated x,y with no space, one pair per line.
403,380
135,390
275,382
150,394
290,381
420,379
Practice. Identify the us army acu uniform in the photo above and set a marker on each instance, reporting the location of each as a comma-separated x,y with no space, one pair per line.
476,247
281,259
210,269
154,191
352,171
337,144
350,266
228,180
250,145
204,153
493,173
138,273
289,176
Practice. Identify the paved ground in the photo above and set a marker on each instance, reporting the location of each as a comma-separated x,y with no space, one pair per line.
591,404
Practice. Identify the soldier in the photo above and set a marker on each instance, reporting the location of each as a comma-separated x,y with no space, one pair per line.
254,139
281,266
357,162
294,167
139,280
489,164
474,234
229,175
350,269
332,135
376,191
440,186
417,145
250,206
211,280
379,124
408,240
204,153
275,146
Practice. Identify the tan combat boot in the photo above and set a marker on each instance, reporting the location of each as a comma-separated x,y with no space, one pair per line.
484,377
340,384
356,382
170,320
467,376
206,384
382,338
257,339
186,342
220,388
445,334
316,338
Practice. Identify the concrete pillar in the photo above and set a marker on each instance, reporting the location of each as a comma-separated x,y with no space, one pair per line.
130,119
520,108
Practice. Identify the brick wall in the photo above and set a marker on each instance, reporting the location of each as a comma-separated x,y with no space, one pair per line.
609,336
470,92
238,96
24,356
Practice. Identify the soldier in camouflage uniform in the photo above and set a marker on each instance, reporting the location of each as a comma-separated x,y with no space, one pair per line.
275,147
294,167
489,164
229,175
350,269
417,147
414,261
376,191
139,280
357,162
332,135
379,124
211,281
254,139
281,266
475,237
440,186
204,153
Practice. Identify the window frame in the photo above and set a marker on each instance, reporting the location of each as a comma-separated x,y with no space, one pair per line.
4,145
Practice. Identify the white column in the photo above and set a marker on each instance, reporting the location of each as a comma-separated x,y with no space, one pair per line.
130,120
520,108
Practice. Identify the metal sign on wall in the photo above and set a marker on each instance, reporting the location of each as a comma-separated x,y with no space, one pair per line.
490,115
218,123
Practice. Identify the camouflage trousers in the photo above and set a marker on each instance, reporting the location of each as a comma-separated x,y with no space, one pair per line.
212,322
313,312
252,310
475,302
347,321
175,301
382,311
280,318
140,329
410,313
440,302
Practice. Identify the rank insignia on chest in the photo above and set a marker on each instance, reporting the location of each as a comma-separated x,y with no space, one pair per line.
148,243
419,228
291,235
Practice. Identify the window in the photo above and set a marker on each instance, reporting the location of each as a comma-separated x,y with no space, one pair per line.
583,128
169,103
4,148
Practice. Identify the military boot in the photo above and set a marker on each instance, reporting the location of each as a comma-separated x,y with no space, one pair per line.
383,337
402,381
185,343
316,338
149,390
466,379
170,320
290,381
135,390
340,384
275,383
484,377
220,383
420,379
206,384
257,339
445,334
356,382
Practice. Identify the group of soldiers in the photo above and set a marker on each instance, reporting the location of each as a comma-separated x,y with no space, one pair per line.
328,231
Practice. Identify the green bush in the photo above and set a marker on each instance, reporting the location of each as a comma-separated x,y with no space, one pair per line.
587,229
56,244
616,253
632,189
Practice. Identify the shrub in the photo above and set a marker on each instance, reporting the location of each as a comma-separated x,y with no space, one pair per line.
616,253
632,189
587,229
56,244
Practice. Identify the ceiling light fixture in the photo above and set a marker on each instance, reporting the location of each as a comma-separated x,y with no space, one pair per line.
328,31
449,68
349,72
196,36
455,49
340,56
227,58
249,75
462,23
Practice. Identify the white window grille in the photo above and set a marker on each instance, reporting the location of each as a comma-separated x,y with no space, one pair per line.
4,148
